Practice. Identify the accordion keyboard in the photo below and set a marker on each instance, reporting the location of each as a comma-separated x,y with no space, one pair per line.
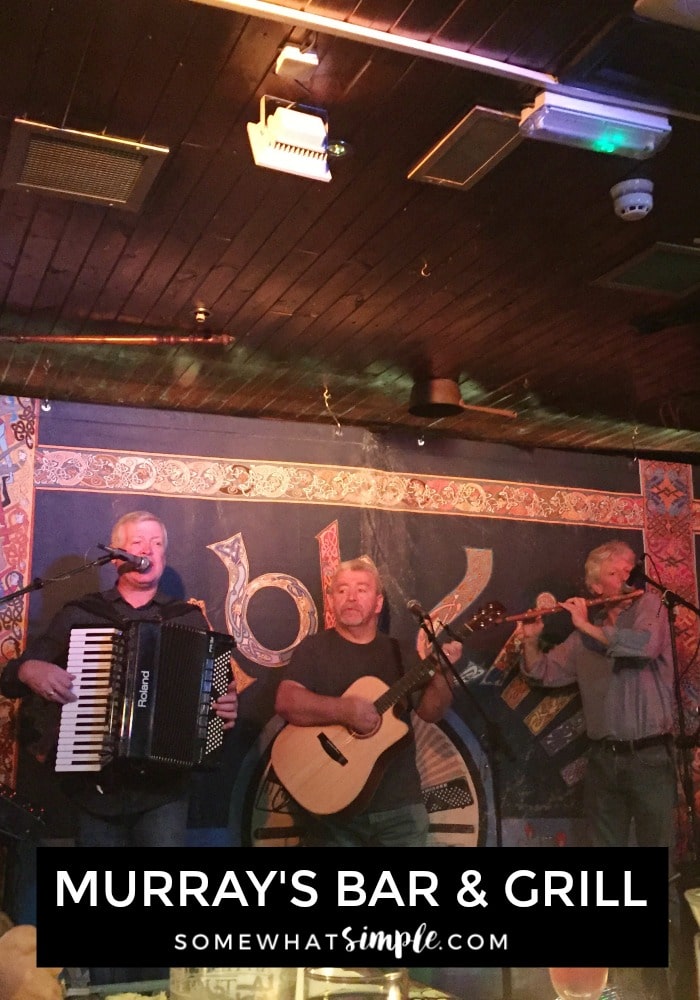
83,738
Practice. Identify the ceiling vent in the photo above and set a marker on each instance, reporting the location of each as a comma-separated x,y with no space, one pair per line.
663,269
81,166
473,147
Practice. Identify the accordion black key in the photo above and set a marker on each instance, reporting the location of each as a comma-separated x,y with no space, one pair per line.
144,692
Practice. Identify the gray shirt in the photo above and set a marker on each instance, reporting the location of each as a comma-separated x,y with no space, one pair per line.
626,687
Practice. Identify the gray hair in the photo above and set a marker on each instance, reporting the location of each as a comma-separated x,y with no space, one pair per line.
596,558
135,517
362,564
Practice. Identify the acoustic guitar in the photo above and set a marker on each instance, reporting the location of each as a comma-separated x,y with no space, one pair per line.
329,769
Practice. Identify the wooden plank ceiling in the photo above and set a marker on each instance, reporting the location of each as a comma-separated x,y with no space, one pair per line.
340,295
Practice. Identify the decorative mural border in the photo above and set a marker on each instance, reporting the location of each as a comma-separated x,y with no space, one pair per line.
669,543
664,510
192,477
18,429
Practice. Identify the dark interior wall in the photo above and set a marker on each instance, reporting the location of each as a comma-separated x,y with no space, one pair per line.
423,548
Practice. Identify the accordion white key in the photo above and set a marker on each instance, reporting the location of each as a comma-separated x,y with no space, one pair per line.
144,692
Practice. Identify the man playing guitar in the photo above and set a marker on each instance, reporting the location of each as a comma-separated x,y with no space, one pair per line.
348,756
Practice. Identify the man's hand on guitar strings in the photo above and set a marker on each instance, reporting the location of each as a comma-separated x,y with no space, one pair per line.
359,714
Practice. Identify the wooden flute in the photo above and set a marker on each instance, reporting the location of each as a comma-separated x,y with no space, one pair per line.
590,603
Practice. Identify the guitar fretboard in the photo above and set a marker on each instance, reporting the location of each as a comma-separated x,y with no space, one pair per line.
415,677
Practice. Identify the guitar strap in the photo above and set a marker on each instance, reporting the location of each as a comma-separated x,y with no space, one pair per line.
400,664
95,605
397,656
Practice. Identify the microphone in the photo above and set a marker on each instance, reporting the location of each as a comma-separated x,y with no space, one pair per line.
140,563
418,612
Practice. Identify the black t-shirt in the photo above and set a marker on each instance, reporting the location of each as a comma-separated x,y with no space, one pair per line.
327,664
122,787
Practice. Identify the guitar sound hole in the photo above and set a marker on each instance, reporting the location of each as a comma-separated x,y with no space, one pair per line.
372,732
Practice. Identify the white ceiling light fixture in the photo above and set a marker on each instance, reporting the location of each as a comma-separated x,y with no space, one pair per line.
295,63
385,39
291,138
395,42
591,124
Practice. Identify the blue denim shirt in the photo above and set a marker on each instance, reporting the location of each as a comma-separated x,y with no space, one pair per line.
627,686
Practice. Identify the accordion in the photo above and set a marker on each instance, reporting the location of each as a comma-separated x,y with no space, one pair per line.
144,692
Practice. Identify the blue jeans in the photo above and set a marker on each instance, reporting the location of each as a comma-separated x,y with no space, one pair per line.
406,826
164,826
622,787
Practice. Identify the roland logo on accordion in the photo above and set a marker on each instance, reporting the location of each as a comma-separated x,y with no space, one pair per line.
144,692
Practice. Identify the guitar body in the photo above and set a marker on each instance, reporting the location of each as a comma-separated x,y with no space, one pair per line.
328,769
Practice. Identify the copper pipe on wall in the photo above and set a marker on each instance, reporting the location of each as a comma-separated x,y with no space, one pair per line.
592,602
125,339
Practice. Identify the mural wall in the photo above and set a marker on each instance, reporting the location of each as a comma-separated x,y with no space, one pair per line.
18,429
260,512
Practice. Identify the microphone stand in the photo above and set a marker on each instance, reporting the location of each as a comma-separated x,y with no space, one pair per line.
37,583
684,743
492,741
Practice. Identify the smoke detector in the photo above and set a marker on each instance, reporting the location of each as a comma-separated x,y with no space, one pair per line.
633,199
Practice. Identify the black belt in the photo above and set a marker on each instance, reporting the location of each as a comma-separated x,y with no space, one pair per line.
629,746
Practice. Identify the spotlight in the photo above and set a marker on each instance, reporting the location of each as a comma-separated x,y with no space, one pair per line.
46,406
292,138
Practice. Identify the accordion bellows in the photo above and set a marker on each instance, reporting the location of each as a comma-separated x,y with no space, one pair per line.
144,692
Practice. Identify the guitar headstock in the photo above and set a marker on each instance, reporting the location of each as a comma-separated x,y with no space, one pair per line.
492,613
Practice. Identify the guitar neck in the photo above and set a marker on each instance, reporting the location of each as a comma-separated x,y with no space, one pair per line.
416,677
